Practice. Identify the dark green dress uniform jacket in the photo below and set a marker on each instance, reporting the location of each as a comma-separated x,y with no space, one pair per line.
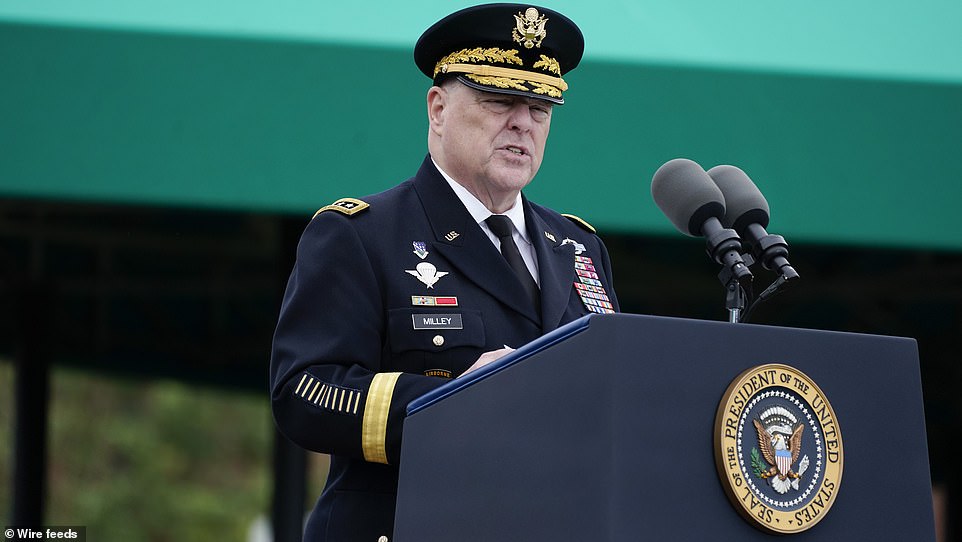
348,354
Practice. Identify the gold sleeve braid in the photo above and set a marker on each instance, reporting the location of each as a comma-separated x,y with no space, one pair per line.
377,406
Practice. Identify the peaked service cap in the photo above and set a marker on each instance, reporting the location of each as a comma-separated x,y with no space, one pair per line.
516,49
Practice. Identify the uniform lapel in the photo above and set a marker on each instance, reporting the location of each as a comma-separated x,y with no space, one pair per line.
556,267
460,240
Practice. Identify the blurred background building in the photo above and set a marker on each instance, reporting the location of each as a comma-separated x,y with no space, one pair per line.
158,161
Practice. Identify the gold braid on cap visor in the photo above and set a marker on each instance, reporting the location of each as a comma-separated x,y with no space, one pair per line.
504,77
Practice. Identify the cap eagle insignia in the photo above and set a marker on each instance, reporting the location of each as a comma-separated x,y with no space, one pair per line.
780,445
529,28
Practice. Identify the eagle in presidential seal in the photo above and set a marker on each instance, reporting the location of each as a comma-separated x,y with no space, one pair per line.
780,441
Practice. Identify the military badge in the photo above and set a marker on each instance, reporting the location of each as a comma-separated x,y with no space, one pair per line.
778,449
346,206
427,273
529,28
420,249
579,248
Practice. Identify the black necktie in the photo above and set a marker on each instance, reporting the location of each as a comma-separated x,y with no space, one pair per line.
502,228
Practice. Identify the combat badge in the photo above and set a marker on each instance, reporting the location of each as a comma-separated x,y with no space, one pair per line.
778,449
426,273
579,248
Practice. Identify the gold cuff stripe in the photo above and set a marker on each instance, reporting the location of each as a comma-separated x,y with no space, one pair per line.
495,71
377,406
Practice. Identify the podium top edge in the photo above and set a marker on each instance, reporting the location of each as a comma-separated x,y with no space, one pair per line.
449,388
582,324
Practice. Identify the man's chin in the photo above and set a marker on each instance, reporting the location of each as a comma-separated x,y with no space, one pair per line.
514,183
512,176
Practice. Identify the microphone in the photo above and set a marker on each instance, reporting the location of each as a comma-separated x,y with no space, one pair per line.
696,206
746,211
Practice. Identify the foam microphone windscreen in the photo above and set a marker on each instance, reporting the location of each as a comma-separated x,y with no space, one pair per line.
687,195
744,202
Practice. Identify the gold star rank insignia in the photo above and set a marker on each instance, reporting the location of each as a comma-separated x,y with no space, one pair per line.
346,206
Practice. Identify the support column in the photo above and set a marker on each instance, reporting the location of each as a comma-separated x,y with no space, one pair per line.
31,391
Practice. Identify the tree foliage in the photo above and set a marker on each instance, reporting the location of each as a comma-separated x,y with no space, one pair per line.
148,460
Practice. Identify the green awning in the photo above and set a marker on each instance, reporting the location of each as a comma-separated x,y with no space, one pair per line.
848,116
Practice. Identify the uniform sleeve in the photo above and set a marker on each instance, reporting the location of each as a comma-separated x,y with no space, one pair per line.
329,392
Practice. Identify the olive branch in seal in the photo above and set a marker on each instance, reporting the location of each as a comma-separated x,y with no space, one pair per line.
758,467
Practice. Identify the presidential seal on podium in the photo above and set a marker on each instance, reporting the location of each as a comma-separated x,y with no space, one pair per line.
778,449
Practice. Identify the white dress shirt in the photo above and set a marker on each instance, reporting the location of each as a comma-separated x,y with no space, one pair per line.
516,213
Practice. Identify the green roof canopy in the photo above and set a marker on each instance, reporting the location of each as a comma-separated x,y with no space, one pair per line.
847,115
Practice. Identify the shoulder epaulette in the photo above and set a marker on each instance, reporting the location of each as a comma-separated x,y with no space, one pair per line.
346,206
579,221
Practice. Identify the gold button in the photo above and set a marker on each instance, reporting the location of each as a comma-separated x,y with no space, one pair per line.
438,340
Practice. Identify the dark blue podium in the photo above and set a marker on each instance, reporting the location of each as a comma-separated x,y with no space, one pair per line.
603,431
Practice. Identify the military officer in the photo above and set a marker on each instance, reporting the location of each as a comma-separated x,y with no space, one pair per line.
395,293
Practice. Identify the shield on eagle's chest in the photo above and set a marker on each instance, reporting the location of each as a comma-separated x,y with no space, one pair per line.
783,460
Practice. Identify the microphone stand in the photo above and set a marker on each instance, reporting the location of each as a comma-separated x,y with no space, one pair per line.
723,246
738,289
772,252
735,296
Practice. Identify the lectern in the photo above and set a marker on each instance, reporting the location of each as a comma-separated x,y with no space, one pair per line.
608,429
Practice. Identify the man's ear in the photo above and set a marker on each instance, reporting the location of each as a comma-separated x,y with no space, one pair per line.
437,98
